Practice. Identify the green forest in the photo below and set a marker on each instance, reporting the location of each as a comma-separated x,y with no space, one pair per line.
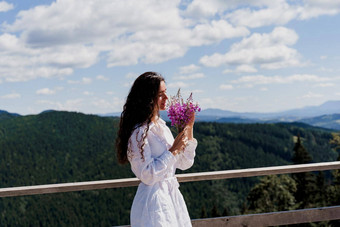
59,147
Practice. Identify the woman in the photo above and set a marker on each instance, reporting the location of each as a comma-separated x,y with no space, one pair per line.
146,142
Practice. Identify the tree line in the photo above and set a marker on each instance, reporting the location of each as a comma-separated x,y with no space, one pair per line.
60,147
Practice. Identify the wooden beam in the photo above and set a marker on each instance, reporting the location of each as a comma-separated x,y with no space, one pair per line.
274,218
68,187
129,182
239,173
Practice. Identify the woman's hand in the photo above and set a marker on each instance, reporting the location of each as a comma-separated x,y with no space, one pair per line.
190,126
180,142
191,120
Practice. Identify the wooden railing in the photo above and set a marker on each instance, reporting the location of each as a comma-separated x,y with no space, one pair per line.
268,219
274,218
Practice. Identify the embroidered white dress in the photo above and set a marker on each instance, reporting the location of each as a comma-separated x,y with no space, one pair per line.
158,201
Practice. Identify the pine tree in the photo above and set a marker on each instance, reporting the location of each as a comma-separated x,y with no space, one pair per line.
203,212
336,142
334,189
301,156
225,212
214,212
321,193
273,193
306,182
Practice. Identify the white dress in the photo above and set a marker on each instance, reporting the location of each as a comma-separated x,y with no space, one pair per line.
158,201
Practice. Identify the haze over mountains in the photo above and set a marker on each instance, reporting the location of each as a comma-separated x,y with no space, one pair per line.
326,115
327,108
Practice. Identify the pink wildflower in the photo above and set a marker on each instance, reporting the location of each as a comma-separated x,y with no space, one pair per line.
179,112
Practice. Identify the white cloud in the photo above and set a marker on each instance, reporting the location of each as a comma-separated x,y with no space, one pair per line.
45,91
9,42
197,91
104,105
215,32
269,51
48,91
54,40
84,80
131,75
11,96
178,84
235,103
5,6
147,31
202,8
151,52
190,76
189,69
276,14
325,85
71,105
245,69
101,77
324,69
128,84
315,8
258,13
19,62
68,105
109,93
226,71
226,87
260,79
87,93
311,95
206,9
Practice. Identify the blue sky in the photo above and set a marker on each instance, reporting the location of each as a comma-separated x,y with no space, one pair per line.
245,56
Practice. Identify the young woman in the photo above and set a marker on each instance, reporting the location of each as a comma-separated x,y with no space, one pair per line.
146,142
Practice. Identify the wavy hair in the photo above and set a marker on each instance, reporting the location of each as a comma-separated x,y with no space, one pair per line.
138,109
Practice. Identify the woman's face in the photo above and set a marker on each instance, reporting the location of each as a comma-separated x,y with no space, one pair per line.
162,97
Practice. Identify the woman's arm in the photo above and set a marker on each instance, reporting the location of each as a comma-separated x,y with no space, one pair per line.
149,170
187,156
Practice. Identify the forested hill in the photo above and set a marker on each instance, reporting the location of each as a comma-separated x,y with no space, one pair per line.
58,147
4,115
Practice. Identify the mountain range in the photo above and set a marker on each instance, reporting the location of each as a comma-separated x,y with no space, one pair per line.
7,115
326,115
327,108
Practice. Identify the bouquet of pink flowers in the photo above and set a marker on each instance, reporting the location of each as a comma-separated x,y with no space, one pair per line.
179,112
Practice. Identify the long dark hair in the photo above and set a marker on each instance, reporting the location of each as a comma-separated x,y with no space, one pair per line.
138,109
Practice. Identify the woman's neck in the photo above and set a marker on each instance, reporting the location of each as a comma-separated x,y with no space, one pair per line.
155,117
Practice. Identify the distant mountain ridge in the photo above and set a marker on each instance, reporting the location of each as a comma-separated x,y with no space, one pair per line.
331,121
327,108
326,115
6,115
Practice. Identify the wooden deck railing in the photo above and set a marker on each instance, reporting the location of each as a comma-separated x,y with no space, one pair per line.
268,219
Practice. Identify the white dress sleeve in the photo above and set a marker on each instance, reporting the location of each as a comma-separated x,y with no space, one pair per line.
149,170
186,157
